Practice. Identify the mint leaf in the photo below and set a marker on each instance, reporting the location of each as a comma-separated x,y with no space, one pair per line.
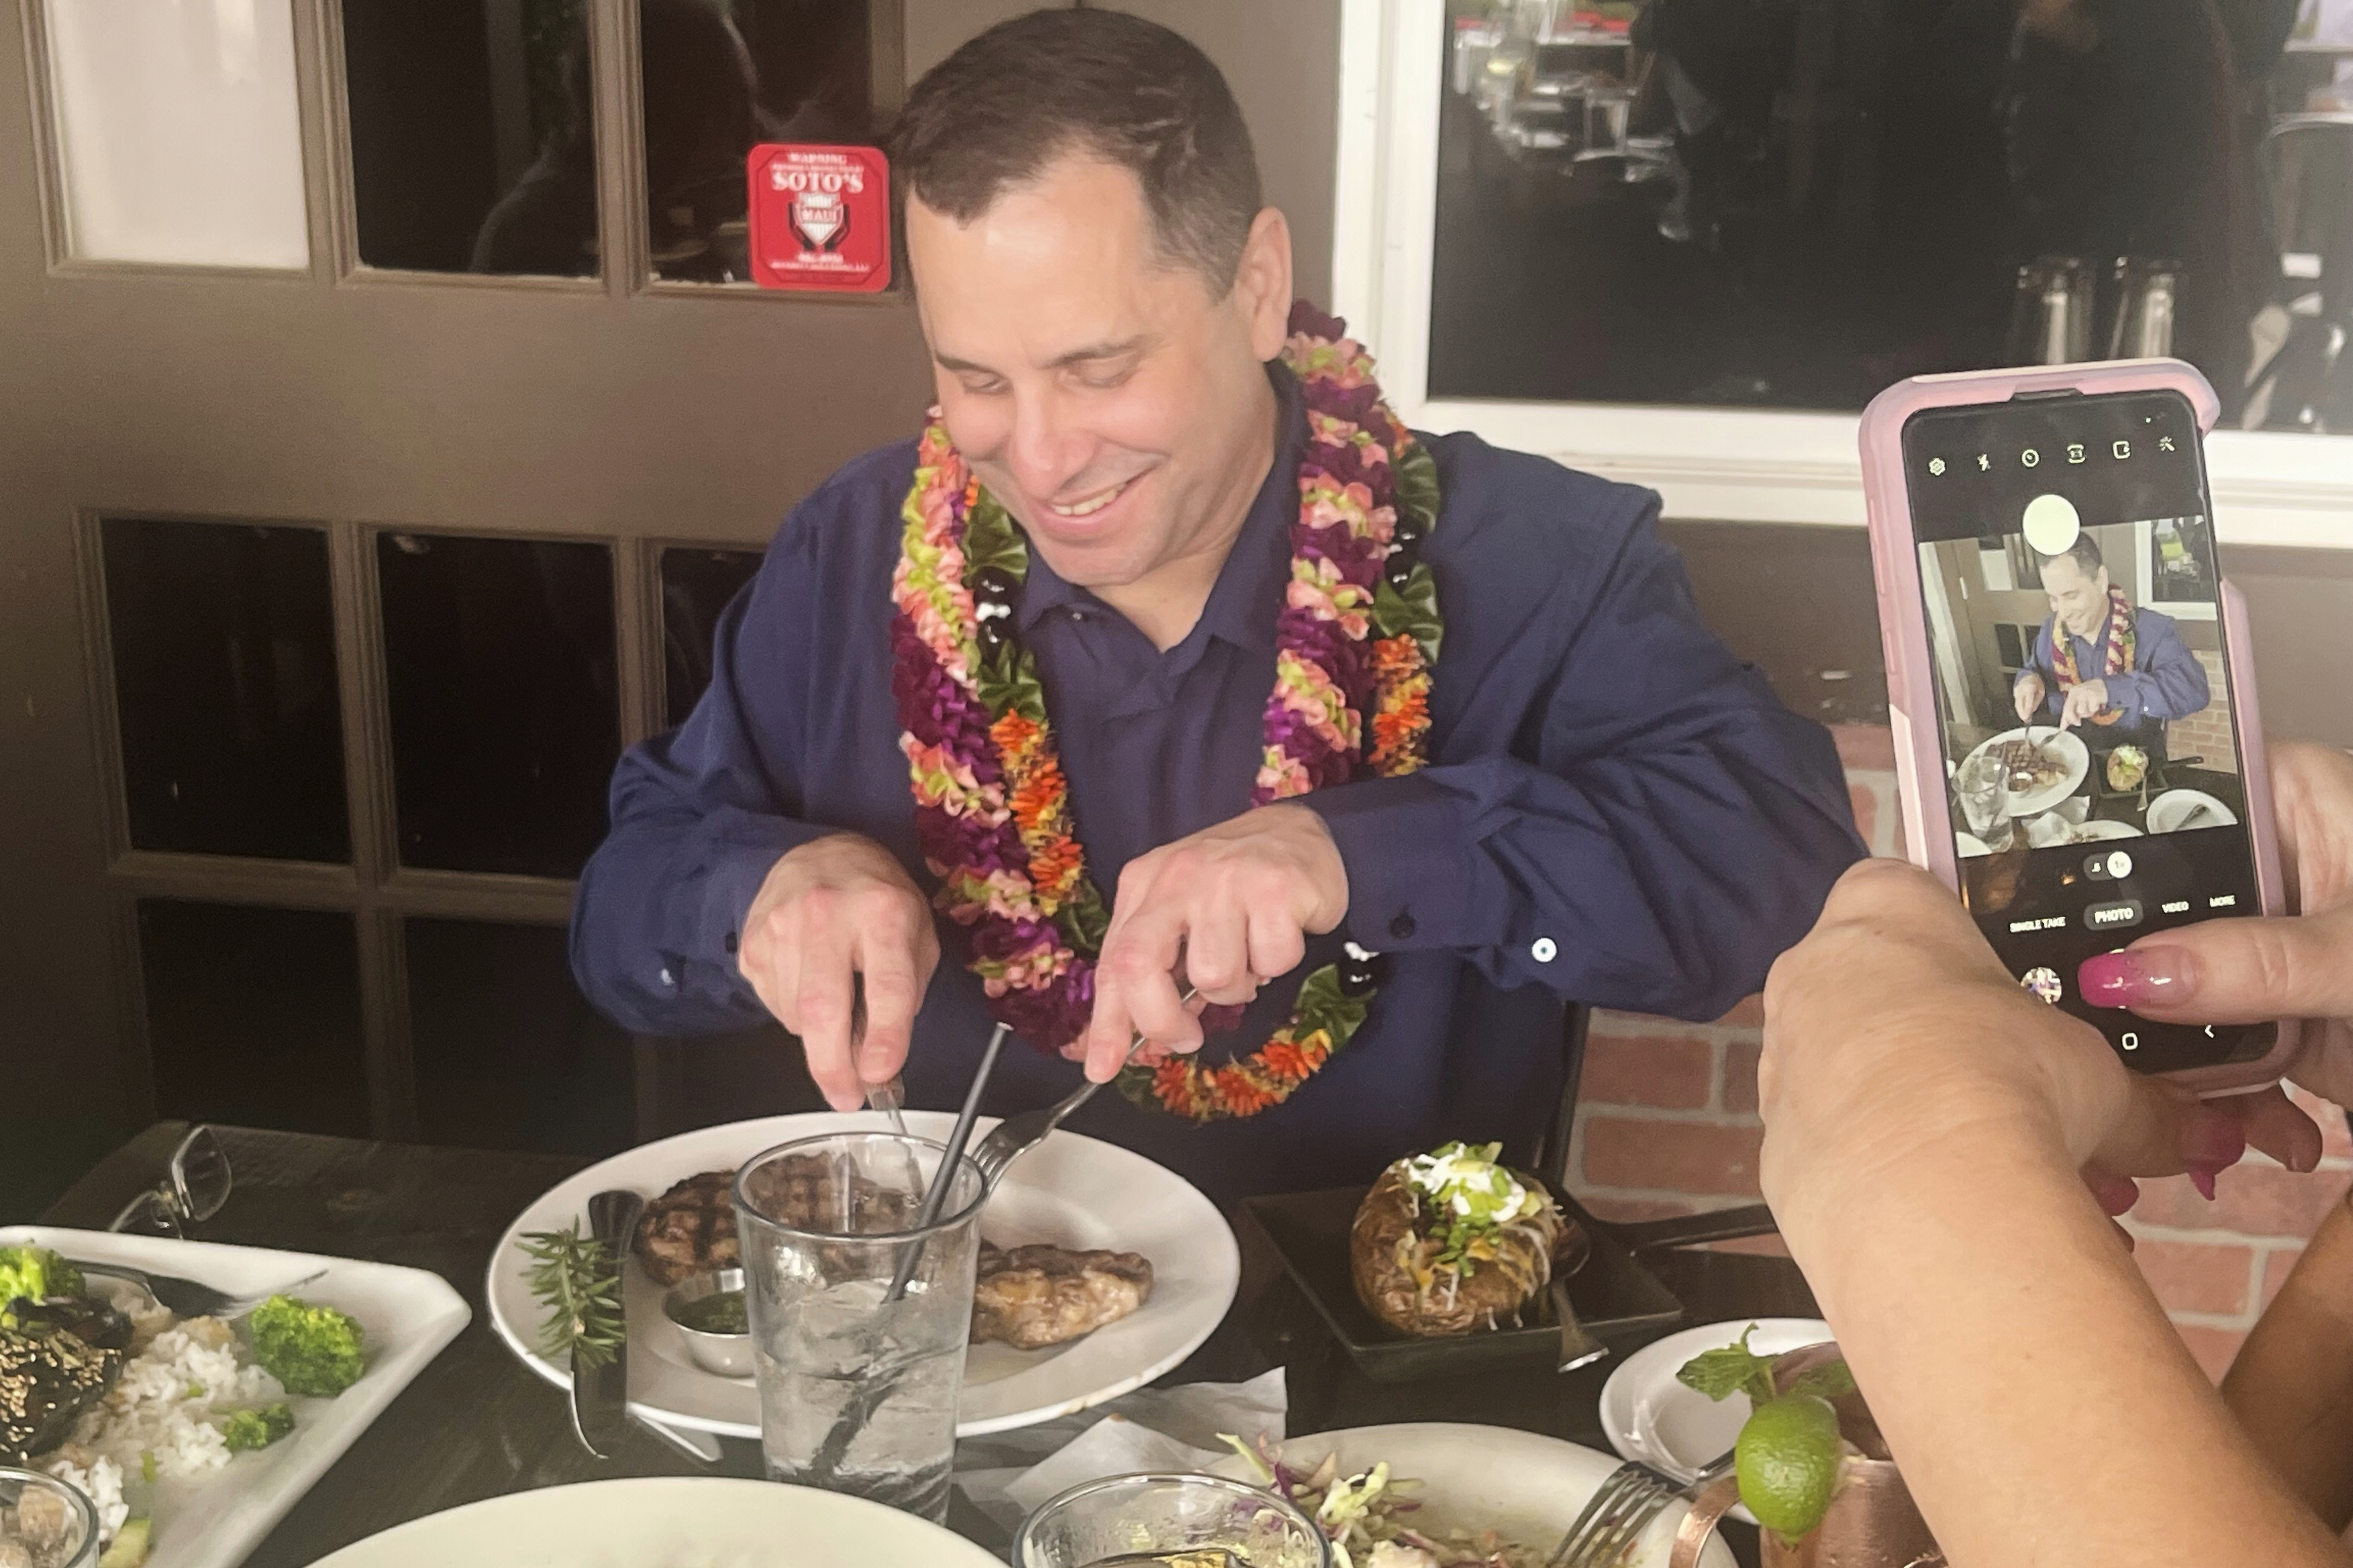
1734,1369
1831,1379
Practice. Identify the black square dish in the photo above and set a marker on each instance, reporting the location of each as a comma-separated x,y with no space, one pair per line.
1614,1296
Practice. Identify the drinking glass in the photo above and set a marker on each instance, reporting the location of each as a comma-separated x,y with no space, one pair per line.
1981,786
52,1521
858,1391
1142,1519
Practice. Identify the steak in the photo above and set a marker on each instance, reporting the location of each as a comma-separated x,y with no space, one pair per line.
1032,1297
690,1229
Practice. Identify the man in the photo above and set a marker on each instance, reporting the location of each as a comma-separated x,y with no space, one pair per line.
1614,810
2120,671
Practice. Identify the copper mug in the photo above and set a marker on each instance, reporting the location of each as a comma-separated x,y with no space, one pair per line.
1872,1523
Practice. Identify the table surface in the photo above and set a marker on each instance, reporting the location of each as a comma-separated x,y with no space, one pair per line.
476,1425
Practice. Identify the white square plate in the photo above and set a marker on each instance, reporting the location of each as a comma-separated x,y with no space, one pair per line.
408,1316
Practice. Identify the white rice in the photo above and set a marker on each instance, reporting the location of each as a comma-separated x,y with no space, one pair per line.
184,1376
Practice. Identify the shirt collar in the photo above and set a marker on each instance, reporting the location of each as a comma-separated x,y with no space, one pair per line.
1248,596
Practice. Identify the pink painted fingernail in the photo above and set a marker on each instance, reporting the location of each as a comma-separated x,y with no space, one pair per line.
2214,1140
2138,977
2202,1176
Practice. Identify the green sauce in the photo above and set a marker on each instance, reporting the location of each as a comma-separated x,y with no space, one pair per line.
724,1313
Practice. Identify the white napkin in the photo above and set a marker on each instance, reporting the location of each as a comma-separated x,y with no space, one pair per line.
1008,1473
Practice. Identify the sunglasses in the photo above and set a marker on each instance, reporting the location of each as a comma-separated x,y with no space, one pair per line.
195,1187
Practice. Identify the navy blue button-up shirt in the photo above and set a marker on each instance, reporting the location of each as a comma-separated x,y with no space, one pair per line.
1617,811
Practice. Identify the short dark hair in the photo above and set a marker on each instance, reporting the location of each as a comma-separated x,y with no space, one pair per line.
1104,84
2085,552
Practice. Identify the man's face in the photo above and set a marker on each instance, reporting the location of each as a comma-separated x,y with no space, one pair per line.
1102,392
2079,602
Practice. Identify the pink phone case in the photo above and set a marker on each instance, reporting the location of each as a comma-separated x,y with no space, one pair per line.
1904,632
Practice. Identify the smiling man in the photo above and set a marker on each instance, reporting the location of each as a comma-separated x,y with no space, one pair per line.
1166,661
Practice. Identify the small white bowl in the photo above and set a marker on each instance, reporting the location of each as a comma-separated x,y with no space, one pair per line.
724,1355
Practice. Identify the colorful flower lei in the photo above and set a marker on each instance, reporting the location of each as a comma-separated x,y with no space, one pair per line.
1355,644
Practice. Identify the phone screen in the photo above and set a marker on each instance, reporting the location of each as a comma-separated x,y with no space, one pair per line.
2092,773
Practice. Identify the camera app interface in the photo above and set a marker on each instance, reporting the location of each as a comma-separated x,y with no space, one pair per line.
2094,782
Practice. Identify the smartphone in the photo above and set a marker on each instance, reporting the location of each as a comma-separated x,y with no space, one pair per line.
2078,747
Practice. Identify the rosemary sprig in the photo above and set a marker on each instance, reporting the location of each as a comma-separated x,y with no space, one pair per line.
578,1284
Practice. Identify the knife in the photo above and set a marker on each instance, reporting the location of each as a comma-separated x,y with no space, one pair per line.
600,1394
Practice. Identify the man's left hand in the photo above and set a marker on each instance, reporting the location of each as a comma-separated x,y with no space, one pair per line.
1235,904
2084,702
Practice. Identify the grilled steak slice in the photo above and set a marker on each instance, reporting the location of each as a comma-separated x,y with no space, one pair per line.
1031,1297
690,1229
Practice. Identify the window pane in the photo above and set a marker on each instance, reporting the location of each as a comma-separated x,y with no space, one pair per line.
178,134
1768,204
253,1015
505,726
224,642
509,1055
696,586
473,146
722,75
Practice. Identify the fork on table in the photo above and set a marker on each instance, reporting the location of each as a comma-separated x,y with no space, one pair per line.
1614,1521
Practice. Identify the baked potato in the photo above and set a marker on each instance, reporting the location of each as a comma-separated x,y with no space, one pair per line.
1451,1243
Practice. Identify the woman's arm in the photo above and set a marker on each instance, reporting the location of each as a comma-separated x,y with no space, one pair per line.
1927,1123
2291,1386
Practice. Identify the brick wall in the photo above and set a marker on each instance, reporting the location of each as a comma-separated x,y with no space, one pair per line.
2207,733
1667,1124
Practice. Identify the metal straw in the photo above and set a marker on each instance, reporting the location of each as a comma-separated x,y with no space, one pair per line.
936,1195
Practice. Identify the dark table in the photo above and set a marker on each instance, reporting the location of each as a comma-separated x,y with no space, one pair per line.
476,1423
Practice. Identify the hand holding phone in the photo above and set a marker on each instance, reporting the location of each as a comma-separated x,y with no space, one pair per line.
2078,746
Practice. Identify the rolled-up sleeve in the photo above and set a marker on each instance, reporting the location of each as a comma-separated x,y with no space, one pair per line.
698,817
1667,830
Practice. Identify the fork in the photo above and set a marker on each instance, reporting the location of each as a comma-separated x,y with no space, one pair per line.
185,1297
1622,1510
1016,1135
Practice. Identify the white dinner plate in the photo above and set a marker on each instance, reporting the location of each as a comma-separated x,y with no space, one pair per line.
1970,845
2100,829
669,1522
2061,743
1527,1487
1070,1190
1648,1416
406,1315
2167,812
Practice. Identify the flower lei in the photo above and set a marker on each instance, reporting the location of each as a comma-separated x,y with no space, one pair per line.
1357,640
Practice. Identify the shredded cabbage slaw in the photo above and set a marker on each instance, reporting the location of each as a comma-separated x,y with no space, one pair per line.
1369,1516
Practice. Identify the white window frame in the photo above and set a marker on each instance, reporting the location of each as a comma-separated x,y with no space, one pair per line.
1718,465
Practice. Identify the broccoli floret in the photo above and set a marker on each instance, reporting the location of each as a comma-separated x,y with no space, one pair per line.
257,1428
310,1350
35,1274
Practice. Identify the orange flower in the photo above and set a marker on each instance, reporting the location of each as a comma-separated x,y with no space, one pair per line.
1015,734
1239,1094
1054,867
1038,797
1285,1060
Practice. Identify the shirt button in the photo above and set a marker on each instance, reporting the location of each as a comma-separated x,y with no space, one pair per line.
730,941
666,980
1401,927
1543,950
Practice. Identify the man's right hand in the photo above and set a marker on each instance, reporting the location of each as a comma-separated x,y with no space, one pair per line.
2027,695
832,909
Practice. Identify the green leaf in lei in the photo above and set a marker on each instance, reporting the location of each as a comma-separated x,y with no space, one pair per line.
1322,1005
1416,487
1413,612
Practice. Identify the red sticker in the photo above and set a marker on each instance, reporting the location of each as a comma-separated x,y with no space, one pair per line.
820,217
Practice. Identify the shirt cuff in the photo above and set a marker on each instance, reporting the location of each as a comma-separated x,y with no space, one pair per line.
1412,876
740,858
